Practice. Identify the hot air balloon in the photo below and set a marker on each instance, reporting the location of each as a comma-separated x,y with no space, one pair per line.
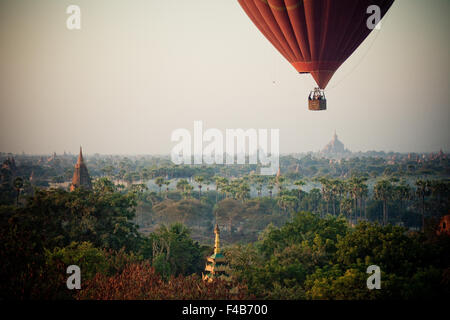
315,36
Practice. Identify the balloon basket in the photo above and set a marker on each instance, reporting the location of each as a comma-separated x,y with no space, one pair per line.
317,105
317,100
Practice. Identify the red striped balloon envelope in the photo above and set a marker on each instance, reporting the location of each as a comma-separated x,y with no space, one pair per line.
315,36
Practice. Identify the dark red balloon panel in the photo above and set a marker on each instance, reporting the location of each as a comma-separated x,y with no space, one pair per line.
315,36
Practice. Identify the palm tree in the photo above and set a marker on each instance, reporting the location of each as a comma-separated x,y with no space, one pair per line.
383,191
402,192
181,184
187,190
352,186
243,191
220,185
167,183
270,187
259,184
216,180
423,190
259,189
326,191
316,198
299,184
159,181
234,188
279,180
199,180
337,189
357,188
18,184
287,203
363,193
346,207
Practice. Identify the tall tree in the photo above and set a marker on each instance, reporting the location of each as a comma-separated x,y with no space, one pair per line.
299,184
159,182
423,190
383,191
199,180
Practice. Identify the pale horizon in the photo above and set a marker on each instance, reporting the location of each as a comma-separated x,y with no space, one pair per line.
137,70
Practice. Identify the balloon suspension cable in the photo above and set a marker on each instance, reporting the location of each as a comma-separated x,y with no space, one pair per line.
364,55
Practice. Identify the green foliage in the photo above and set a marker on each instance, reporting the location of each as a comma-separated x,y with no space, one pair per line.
173,252
53,220
411,267
330,283
314,254
278,264
102,217
90,259
162,266
305,227
322,258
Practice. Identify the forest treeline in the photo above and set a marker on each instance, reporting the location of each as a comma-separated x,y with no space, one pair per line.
294,245
137,169
243,215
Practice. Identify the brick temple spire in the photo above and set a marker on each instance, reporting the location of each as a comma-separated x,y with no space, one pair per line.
81,176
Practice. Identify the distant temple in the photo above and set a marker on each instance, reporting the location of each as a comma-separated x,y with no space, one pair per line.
215,265
81,176
335,147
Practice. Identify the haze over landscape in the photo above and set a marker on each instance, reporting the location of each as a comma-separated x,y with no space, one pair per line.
134,73
109,192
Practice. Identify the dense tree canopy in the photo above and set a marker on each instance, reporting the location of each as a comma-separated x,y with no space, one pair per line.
310,233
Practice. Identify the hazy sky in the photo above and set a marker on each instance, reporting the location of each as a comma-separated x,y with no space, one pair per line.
138,69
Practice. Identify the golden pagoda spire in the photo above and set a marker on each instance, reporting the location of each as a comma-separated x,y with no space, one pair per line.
217,242
216,263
